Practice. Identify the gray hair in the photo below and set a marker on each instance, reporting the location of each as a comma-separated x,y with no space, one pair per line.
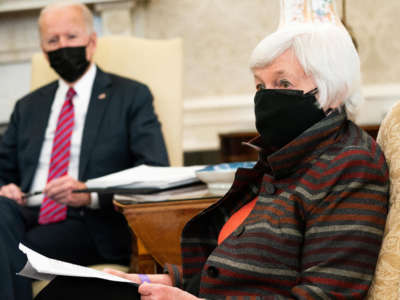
326,52
86,13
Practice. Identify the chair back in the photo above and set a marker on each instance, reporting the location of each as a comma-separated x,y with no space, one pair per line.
156,63
386,282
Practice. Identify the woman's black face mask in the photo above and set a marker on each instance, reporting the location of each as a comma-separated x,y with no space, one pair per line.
282,115
69,62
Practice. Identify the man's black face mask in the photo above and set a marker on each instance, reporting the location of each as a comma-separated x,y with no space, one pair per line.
69,62
282,115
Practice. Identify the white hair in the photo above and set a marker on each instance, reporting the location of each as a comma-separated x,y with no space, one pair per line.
86,13
326,52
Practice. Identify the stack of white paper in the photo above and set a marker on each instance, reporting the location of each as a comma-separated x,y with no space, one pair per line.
145,176
199,191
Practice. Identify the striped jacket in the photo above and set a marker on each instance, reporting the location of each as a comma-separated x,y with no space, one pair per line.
314,233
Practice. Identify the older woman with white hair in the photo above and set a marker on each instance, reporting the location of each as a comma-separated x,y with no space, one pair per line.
307,221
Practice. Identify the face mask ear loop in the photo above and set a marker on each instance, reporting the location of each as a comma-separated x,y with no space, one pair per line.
313,92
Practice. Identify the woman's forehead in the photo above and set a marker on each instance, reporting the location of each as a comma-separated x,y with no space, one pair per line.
285,64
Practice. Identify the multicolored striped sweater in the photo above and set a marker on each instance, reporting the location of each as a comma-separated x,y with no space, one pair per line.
314,233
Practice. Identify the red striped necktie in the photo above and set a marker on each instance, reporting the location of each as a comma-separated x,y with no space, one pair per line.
51,211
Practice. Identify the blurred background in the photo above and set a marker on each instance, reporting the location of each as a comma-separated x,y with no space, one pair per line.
218,37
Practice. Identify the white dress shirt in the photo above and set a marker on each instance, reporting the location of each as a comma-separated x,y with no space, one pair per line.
83,89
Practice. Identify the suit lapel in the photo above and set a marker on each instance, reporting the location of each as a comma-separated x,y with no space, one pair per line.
97,105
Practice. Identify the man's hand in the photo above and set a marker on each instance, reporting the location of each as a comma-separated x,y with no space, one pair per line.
13,192
60,190
150,291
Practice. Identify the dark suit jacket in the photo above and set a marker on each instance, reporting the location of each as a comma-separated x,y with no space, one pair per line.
121,131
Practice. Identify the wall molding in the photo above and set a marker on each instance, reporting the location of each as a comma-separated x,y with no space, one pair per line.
205,118
379,99
18,24
21,5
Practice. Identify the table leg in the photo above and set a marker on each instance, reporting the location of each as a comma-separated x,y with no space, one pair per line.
141,260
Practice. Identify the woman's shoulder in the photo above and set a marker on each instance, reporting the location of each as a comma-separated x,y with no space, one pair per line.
355,148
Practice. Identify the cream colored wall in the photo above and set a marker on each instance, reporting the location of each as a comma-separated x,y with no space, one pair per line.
219,36
376,25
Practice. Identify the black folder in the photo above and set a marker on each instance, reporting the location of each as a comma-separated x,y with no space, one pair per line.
83,288
137,190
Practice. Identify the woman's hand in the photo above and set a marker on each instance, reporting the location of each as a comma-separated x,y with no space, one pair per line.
154,291
160,287
163,279
131,277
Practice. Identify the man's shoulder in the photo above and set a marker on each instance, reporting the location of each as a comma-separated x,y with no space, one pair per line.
122,80
39,92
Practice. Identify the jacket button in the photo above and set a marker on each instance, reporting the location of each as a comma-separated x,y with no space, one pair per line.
212,272
269,189
239,231
82,213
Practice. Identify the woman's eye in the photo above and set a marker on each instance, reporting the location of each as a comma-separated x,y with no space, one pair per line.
285,84
260,87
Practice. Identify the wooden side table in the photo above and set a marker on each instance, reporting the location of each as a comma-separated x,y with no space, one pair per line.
157,228
371,129
231,148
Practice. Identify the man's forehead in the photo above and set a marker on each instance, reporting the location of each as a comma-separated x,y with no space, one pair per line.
61,16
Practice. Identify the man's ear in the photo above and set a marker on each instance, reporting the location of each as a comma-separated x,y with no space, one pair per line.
94,38
91,47
45,54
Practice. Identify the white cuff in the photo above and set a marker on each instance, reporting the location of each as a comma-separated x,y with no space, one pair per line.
94,201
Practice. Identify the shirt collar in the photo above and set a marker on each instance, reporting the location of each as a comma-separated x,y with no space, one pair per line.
82,85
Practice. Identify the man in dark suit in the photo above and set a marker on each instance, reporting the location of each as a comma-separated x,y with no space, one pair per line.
110,125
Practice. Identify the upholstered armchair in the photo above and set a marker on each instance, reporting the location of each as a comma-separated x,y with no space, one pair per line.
386,282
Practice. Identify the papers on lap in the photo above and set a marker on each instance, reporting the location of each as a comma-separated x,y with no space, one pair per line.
146,178
43,268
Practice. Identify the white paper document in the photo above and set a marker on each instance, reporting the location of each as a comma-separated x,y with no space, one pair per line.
185,193
43,268
145,176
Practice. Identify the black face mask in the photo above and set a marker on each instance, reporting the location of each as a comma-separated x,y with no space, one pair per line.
69,62
282,115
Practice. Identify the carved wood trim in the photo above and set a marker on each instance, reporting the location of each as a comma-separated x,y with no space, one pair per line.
21,5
